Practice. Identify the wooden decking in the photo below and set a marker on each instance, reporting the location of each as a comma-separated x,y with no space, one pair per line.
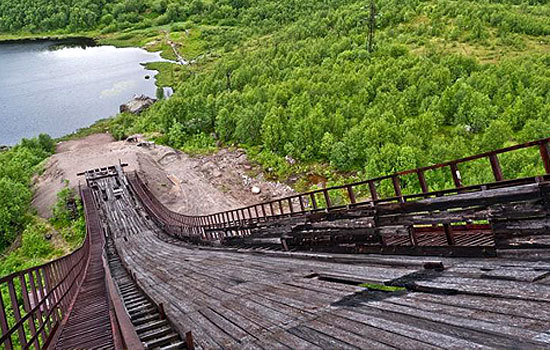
89,323
259,299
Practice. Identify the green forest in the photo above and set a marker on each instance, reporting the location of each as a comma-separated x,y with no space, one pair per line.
18,222
444,79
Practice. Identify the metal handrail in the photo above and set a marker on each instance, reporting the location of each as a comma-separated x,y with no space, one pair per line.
46,291
321,200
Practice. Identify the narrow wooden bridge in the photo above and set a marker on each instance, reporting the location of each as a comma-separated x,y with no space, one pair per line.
428,258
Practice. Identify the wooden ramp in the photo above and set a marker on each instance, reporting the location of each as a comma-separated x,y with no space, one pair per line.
259,298
88,325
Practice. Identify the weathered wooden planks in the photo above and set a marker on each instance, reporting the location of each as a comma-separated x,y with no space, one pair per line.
250,299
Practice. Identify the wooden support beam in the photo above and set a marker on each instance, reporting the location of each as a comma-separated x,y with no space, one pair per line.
545,155
313,201
456,175
372,189
351,194
397,188
449,234
327,198
495,166
422,180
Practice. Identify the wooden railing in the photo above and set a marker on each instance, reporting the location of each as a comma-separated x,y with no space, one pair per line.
358,194
35,301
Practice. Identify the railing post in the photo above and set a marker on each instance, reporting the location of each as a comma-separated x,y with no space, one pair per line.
422,180
313,201
351,195
281,207
37,300
545,155
4,324
327,198
495,165
397,188
456,175
17,313
290,205
372,189
263,210
27,308
449,234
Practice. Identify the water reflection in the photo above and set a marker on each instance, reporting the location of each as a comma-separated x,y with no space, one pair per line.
58,87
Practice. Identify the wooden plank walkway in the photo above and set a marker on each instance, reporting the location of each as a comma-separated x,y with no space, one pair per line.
234,299
89,323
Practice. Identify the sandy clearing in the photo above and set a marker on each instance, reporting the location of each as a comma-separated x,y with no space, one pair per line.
187,184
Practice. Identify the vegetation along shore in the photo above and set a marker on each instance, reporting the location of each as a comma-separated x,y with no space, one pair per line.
298,86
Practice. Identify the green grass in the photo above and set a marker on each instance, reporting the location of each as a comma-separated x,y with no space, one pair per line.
169,74
382,287
100,126
45,240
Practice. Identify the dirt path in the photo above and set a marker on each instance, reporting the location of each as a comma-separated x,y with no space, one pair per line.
190,185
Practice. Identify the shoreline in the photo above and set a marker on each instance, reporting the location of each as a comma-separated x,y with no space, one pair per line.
100,125
8,38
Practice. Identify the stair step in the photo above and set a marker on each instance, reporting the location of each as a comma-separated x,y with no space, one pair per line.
134,300
143,313
157,333
150,326
137,304
161,341
145,319
174,346
130,293
141,308
136,308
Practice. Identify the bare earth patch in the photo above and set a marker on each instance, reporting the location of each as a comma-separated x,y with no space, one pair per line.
200,185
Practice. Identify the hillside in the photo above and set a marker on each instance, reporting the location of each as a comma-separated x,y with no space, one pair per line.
295,79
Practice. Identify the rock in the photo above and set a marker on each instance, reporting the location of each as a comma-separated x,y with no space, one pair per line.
256,190
138,104
4,148
133,138
146,144
216,173
290,160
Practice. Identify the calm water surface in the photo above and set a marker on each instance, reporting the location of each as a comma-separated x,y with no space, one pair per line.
50,88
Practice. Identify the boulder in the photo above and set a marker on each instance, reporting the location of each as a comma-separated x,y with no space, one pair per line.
138,104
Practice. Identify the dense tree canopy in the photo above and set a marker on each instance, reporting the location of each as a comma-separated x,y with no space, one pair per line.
301,82
17,166
447,78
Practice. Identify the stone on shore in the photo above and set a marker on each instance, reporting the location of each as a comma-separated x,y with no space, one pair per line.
138,104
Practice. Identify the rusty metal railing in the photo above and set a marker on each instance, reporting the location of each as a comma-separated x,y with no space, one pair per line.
34,302
350,195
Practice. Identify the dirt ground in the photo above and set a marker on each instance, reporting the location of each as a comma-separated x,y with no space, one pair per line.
191,185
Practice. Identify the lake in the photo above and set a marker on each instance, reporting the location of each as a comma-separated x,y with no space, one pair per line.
58,87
